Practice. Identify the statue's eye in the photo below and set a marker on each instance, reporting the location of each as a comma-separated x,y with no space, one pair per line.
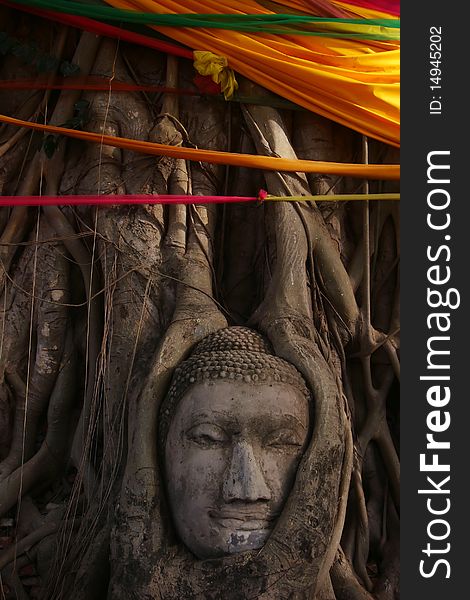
207,435
281,438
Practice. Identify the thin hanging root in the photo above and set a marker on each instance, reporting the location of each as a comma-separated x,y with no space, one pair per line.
362,531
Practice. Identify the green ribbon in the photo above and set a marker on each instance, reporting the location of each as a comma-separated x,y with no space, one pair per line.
283,24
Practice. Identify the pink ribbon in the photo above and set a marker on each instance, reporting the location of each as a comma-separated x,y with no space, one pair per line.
110,200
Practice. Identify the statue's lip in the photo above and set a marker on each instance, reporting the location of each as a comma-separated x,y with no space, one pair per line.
243,519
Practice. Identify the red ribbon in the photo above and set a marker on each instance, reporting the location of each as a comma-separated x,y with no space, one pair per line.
103,29
96,83
391,7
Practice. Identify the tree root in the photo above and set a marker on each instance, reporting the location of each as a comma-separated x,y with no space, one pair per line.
27,543
32,397
11,577
15,231
345,583
80,254
50,458
93,574
270,139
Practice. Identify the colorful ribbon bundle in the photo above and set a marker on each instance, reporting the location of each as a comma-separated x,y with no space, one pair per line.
352,81
279,24
338,59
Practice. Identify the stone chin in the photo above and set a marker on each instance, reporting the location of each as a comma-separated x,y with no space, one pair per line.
237,532
241,541
224,540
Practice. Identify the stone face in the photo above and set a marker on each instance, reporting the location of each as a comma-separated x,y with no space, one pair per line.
231,455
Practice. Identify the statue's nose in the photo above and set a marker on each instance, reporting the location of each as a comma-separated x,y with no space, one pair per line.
244,479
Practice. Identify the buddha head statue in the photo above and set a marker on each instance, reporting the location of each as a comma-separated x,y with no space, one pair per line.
232,430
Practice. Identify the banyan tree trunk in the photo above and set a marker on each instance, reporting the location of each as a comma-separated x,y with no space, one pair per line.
99,305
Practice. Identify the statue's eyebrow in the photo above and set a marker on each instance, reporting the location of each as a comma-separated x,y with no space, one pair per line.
221,418
204,416
293,420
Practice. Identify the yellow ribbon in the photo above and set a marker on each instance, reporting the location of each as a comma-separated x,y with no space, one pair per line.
331,198
208,63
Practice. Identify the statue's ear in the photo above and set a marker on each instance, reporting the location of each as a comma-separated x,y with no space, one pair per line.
308,532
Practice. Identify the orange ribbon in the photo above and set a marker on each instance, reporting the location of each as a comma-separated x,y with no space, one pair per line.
252,161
